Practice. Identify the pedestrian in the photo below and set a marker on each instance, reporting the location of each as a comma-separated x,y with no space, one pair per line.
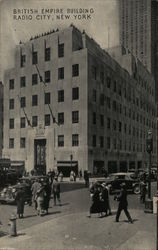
34,188
19,198
143,191
96,202
104,199
72,175
61,176
40,195
108,199
86,178
80,174
56,191
123,203
47,189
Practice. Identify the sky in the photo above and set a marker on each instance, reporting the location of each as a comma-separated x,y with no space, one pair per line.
101,22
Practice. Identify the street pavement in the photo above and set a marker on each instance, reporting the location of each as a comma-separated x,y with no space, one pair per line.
68,227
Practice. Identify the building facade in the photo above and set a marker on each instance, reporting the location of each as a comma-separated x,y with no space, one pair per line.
1,118
72,106
139,32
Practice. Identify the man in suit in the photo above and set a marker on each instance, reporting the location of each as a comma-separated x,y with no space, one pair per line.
123,204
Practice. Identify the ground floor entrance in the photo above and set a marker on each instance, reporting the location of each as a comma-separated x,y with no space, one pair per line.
40,156
67,166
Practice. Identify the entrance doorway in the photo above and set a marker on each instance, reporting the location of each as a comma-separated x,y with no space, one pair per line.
40,156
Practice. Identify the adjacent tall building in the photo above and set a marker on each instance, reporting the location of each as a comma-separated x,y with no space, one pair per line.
139,32
1,118
69,105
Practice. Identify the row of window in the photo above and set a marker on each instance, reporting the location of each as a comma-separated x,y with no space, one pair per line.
117,107
47,55
113,123
47,120
47,98
117,87
117,144
75,141
47,77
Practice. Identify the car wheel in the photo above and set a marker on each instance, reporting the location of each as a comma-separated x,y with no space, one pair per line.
136,189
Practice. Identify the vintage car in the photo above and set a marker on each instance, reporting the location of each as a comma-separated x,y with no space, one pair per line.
8,194
115,180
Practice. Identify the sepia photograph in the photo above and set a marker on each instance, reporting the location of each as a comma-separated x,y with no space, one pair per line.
78,125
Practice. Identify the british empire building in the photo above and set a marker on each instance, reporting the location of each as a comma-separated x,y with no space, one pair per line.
72,106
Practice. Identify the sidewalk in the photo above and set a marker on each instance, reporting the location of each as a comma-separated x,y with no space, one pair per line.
76,231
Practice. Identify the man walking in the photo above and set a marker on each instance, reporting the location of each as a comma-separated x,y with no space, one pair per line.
123,203
56,190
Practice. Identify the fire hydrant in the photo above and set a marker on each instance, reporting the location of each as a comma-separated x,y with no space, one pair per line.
12,225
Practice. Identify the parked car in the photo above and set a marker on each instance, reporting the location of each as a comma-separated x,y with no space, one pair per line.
8,194
115,180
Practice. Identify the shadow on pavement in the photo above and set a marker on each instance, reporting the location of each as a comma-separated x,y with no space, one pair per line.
29,216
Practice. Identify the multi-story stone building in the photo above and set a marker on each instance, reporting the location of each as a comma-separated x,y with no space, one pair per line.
1,118
71,105
139,32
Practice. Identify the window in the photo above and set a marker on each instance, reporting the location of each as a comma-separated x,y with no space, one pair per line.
102,120
23,102
101,141
102,77
11,143
47,120
102,99
47,76
120,126
34,79
47,98
94,72
22,122
114,105
60,140
60,118
75,140
108,123
23,60
47,54
60,95
94,95
94,142
75,93
114,86
22,81
22,142
11,104
61,73
114,144
94,118
114,124
11,84
34,100
108,79
61,50
75,116
108,102
34,121
34,58
11,123
75,70
108,143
